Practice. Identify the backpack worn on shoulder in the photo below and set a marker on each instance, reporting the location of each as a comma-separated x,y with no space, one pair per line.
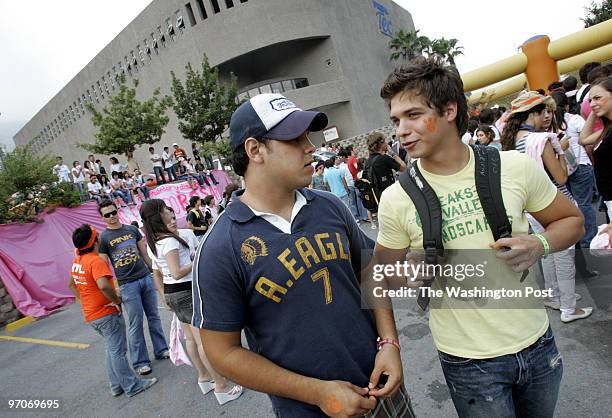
366,185
488,186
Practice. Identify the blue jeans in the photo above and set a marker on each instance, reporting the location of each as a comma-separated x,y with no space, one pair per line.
123,194
362,213
159,174
353,201
140,297
581,185
121,376
525,384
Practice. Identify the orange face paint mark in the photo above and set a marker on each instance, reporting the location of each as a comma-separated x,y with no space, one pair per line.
333,405
430,124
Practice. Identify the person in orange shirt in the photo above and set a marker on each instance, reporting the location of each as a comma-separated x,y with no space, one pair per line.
91,281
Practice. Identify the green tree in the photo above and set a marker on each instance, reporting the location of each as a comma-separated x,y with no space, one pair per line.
203,104
597,13
28,185
447,49
127,122
408,45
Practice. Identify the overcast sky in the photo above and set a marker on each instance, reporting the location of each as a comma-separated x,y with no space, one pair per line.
45,43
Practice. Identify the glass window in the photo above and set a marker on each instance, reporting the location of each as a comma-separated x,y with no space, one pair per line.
287,85
243,96
276,87
300,83
265,89
254,92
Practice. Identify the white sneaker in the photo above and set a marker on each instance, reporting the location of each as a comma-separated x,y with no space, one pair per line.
572,317
226,397
206,386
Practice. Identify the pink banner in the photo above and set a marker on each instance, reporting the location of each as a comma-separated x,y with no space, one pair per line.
35,257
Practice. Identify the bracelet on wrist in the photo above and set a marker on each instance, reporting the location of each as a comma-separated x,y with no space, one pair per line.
380,342
544,242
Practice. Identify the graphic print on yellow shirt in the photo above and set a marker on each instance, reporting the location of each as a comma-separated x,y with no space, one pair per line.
474,333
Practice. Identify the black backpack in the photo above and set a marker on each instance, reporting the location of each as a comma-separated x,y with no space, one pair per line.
366,185
488,186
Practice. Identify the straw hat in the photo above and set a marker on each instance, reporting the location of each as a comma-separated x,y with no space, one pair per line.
530,99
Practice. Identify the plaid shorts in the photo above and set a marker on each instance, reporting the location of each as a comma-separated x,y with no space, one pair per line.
398,406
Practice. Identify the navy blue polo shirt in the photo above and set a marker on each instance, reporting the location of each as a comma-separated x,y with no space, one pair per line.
296,295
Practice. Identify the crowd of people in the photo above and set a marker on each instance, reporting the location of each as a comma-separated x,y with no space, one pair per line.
285,261
125,181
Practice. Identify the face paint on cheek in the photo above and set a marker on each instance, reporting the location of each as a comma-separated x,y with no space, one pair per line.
430,124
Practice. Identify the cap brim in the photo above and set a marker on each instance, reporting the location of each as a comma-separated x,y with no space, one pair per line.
298,122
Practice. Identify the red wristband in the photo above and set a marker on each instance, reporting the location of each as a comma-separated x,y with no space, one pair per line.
380,342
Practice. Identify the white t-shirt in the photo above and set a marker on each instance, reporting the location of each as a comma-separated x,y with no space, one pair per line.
62,172
466,138
186,255
168,160
94,187
78,178
347,175
575,123
156,160
116,167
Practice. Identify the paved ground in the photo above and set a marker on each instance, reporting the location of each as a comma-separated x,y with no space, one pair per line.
77,377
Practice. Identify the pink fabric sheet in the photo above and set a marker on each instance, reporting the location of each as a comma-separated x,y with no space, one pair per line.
35,258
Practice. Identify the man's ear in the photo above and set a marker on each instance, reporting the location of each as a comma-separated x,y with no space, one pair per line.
253,149
450,111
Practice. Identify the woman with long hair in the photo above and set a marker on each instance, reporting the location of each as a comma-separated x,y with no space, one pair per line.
172,251
601,106
531,113
486,136
581,176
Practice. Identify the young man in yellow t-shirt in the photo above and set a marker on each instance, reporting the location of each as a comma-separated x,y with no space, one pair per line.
497,362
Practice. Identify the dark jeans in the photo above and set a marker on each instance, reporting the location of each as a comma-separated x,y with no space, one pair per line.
171,173
581,185
159,174
525,384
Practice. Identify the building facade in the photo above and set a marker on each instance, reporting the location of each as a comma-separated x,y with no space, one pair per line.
329,55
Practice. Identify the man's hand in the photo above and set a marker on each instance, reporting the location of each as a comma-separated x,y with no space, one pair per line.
342,399
388,362
524,251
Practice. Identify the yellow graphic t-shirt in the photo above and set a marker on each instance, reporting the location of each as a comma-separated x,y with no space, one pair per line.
475,333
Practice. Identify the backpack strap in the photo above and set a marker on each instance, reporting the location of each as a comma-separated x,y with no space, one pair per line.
429,210
487,166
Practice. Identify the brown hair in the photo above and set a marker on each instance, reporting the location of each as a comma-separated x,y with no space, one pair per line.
606,83
439,84
374,141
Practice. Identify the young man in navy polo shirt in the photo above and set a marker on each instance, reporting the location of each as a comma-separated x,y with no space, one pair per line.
282,262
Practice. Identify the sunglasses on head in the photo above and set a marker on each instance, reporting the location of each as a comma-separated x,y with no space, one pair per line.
109,214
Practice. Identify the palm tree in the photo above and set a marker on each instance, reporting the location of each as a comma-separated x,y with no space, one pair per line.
408,45
446,49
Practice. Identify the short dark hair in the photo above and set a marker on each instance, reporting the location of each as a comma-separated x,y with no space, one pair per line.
240,159
431,78
329,163
584,71
555,85
570,83
80,236
104,204
486,116
59,158
151,149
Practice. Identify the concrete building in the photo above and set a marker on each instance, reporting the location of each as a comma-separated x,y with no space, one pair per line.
330,55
